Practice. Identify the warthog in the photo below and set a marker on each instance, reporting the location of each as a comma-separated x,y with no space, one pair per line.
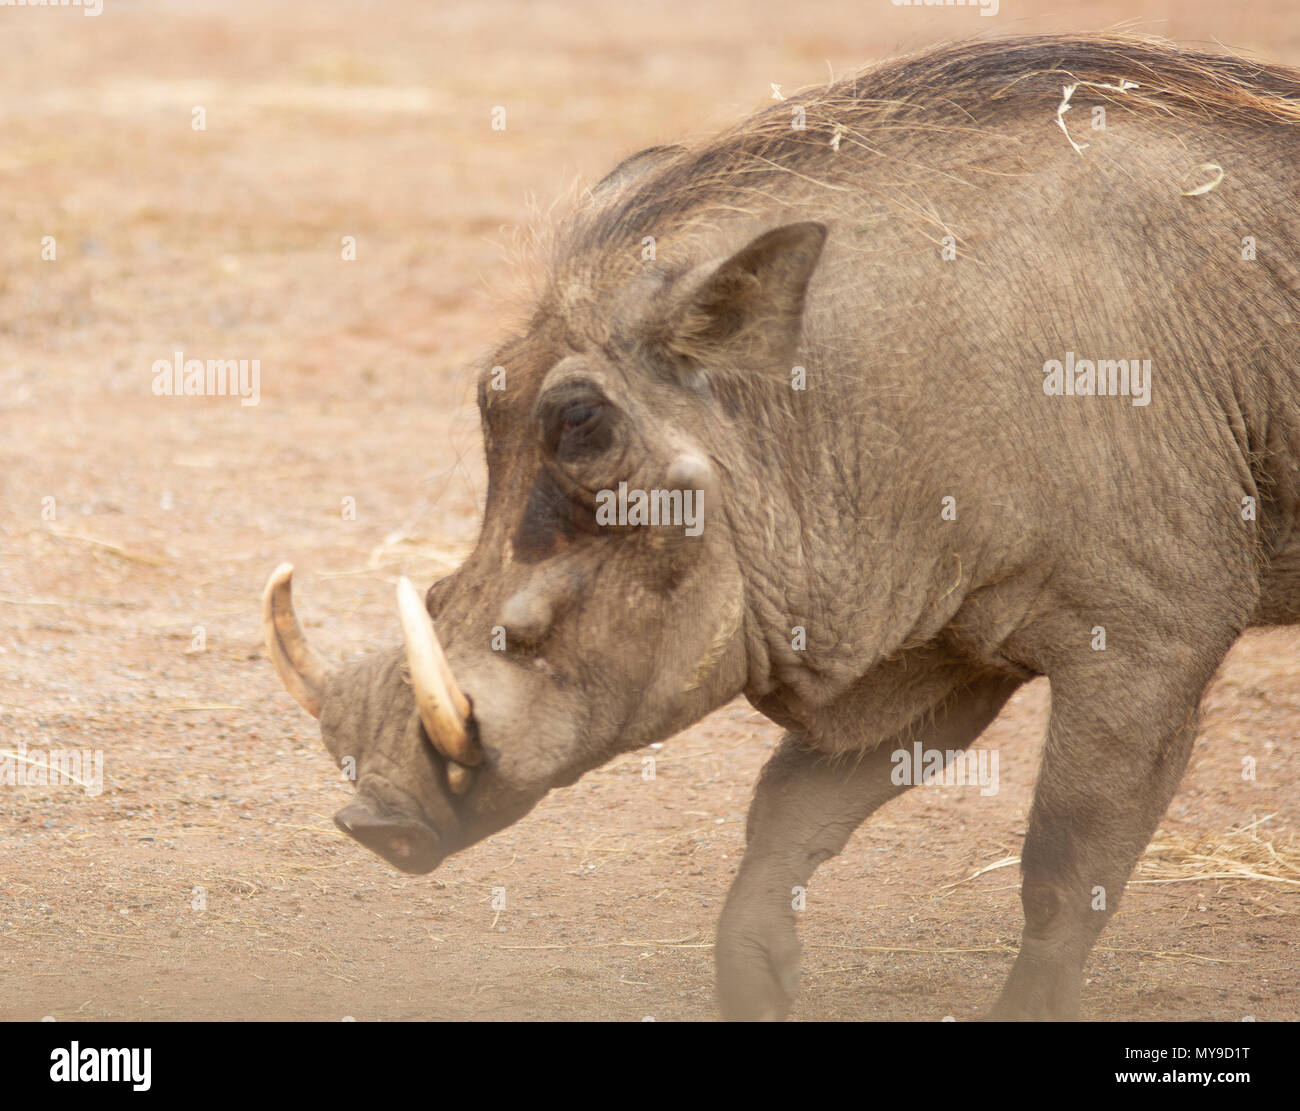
981,365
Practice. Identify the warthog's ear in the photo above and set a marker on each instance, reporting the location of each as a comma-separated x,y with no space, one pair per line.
746,312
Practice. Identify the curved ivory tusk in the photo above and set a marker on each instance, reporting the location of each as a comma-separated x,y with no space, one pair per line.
301,668
459,777
443,708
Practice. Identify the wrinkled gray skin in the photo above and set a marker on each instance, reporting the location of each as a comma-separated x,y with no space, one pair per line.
823,507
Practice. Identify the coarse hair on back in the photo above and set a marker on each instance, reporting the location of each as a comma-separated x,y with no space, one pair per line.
973,86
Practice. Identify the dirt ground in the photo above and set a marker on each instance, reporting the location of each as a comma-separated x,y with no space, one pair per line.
207,880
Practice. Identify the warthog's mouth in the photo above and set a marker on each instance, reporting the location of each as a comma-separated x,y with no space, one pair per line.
408,844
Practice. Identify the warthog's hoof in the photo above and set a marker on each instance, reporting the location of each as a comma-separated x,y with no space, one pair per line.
758,972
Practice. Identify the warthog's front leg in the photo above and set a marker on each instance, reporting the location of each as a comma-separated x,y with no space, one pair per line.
805,808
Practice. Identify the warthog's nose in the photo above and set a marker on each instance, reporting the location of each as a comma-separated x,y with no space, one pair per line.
406,843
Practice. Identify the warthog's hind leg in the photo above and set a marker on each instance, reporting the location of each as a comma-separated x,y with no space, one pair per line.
1113,759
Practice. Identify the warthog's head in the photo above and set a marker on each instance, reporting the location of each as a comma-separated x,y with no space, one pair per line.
573,632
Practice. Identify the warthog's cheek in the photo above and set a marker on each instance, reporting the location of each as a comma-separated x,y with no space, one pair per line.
529,729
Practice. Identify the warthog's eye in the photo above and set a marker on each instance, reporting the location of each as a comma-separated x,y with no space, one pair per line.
576,417
577,423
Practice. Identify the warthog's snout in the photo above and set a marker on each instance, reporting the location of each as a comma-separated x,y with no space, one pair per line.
444,710
406,841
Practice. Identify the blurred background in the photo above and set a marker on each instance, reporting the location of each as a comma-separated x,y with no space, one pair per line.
318,186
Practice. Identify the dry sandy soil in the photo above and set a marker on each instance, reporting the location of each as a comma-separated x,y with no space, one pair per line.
207,880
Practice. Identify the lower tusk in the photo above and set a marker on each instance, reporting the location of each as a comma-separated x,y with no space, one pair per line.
459,777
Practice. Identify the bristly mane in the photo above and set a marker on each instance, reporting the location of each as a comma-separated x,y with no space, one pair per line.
967,86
